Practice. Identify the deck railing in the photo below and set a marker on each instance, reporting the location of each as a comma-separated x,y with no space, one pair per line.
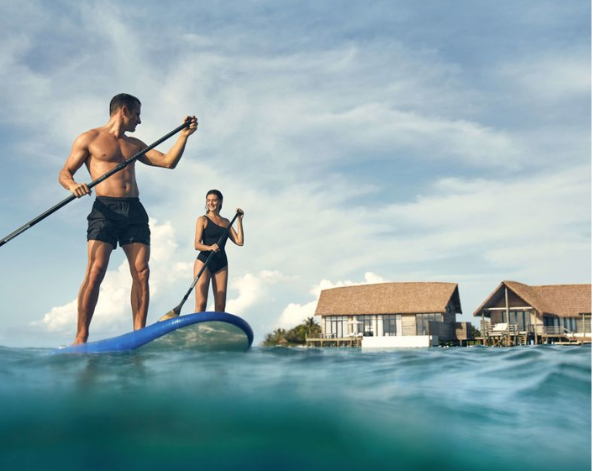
503,333
557,330
488,329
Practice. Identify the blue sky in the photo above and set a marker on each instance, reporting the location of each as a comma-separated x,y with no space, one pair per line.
366,141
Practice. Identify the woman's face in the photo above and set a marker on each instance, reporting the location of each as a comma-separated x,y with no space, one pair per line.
213,203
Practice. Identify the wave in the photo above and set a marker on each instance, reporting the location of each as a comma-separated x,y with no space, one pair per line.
297,409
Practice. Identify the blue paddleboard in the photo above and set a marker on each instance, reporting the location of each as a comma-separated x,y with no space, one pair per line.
207,331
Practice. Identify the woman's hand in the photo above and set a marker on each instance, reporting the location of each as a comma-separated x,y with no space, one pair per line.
240,212
214,248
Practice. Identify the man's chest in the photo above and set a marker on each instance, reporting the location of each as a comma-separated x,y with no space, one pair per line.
111,150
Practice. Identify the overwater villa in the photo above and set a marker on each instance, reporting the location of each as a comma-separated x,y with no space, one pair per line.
517,314
387,315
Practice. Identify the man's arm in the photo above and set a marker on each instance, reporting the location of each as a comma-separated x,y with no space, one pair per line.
77,157
172,157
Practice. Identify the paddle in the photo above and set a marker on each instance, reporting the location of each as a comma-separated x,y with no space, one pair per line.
175,312
72,197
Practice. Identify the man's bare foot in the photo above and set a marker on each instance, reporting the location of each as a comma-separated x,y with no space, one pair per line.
79,341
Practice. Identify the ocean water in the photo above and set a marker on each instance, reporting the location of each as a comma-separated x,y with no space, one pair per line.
472,408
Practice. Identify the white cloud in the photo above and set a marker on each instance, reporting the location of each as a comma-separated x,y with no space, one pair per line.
113,310
110,313
553,77
251,289
294,314
365,154
381,126
60,319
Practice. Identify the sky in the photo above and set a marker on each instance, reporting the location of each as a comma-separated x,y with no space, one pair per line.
379,141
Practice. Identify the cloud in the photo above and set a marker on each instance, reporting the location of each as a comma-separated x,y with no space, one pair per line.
110,312
486,213
294,313
353,146
60,319
113,310
552,77
252,289
460,231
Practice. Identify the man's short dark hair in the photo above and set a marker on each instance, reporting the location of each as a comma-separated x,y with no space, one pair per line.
121,100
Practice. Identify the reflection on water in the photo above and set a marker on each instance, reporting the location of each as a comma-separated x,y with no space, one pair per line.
204,337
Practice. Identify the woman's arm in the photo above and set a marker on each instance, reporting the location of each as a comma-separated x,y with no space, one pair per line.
238,237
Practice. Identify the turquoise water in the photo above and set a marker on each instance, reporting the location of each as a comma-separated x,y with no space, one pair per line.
297,409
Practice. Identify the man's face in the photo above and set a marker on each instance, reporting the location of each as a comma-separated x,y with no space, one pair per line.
132,117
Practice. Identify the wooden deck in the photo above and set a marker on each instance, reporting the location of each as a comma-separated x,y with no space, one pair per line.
354,342
504,335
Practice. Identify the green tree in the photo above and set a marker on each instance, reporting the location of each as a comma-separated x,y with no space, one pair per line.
275,338
295,336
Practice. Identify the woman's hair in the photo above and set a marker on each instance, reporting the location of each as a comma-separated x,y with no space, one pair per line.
218,194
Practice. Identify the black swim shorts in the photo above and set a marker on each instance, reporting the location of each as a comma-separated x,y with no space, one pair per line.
122,220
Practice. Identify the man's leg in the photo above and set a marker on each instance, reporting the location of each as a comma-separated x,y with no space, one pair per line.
138,256
98,260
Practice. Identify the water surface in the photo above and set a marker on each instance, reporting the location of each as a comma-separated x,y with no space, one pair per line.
297,409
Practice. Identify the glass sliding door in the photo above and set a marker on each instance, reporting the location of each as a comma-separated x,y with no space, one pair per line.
336,326
391,325
366,326
422,322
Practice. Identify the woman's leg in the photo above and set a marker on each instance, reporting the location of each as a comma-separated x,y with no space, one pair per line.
201,287
219,286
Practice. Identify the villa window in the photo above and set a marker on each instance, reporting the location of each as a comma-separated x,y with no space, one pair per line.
570,324
520,318
336,326
389,324
422,322
365,325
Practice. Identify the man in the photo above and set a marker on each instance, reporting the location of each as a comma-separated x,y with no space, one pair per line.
117,214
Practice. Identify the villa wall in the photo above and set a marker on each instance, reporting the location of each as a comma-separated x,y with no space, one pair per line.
409,324
410,341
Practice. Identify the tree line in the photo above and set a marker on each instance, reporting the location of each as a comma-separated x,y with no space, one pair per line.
295,336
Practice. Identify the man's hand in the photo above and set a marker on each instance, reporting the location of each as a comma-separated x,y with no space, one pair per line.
80,189
188,131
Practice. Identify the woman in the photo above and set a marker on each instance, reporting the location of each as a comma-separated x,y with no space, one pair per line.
208,230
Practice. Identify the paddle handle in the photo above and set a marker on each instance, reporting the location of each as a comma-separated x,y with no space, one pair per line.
177,310
72,197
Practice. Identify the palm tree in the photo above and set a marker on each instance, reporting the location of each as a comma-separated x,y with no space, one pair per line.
311,328
275,337
297,335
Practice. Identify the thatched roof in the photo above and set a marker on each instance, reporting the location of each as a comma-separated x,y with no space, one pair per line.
388,298
555,300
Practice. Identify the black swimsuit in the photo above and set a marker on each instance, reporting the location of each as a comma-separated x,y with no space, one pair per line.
211,235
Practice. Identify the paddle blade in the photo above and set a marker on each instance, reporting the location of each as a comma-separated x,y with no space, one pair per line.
171,314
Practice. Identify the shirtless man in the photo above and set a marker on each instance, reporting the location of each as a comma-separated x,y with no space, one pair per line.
117,214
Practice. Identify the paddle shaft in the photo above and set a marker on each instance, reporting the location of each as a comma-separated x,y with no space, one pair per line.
72,197
177,310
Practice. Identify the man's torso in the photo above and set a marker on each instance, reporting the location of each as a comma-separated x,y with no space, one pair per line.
105,153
